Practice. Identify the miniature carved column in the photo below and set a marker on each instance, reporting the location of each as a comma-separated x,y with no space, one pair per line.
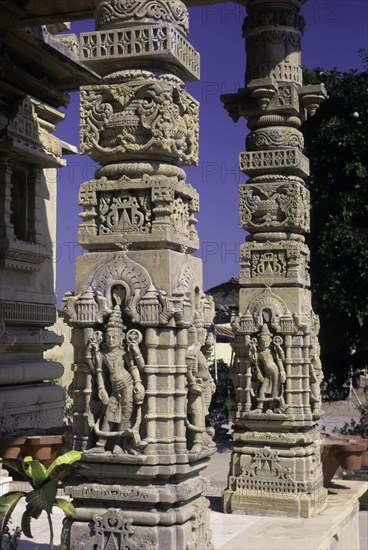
275,466
141,321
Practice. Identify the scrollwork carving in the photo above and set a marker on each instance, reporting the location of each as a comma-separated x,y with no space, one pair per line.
275,137
123,213
266,465
114,531
111,13
274,205
156,118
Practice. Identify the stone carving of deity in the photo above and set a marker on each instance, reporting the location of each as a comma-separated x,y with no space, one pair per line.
316,377
119,385
200,387
267,356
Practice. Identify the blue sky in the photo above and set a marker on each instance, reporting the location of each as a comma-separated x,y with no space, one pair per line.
334,33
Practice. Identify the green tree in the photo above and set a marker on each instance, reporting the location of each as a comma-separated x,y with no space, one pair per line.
44,484
224,397
336,141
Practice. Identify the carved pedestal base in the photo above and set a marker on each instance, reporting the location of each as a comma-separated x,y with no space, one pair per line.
277,474
143,516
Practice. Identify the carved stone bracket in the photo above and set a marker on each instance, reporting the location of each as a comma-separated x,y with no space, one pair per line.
28,135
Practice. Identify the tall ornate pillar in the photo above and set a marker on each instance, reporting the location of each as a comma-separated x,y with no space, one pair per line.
275,465
140,319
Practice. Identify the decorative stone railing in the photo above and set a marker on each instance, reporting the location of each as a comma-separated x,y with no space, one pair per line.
101,49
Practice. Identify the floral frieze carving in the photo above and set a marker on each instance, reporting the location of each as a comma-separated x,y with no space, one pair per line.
275,136
151,117
266,206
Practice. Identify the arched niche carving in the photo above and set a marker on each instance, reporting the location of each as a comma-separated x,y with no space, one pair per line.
268,308
121,271
187,282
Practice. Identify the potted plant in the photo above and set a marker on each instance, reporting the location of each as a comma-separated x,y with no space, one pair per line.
42,497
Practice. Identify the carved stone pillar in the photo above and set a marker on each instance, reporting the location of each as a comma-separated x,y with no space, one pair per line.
275,466
141,382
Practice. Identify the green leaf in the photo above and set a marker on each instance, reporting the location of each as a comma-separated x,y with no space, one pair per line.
28,514
62,472
26,522
7,504
16,464
64,460
36,471
66,506
43,498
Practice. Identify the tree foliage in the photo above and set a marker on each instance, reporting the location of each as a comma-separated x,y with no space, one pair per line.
224,397
336,141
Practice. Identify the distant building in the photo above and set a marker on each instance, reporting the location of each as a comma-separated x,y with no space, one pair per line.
226,297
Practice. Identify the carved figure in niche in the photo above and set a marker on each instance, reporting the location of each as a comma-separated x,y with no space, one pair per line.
267,357
201,387
316,377
119,384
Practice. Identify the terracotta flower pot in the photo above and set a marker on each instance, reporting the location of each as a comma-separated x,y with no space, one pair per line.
44,448
340,451
349,455
10,447
365,457
361,440
329,463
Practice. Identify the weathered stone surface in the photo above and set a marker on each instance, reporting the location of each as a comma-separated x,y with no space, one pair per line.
160,208
106,51
275,468
37,68
141,323
140,117
276,206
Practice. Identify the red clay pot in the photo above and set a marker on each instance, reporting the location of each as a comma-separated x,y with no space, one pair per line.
340,451
44,448
361,440
10,447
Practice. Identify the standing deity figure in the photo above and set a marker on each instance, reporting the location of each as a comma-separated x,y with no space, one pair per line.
119,385
267,356
201,387
316,377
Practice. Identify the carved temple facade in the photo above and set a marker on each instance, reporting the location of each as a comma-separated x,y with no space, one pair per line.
142,326
38,67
